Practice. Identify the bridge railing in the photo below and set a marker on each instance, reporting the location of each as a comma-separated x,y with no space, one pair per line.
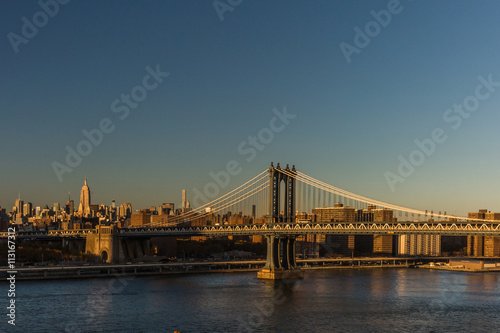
398,228
445,228
50,233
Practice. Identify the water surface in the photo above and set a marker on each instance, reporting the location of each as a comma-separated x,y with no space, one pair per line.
367,300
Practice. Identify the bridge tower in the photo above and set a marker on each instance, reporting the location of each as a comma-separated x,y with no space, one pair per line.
280,263
105,243
276,177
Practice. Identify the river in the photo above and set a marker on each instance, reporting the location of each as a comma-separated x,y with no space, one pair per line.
363,300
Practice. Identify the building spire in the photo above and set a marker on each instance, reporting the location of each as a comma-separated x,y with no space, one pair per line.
85,179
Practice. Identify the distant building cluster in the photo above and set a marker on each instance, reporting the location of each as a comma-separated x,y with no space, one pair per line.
66,217
87,215
402,245
341,213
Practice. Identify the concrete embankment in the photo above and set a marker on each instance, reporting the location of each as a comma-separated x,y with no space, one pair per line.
176,268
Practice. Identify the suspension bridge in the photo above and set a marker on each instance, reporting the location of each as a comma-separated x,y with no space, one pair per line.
283,195
282,204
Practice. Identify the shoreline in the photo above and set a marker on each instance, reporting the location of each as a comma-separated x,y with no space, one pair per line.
189,268
218,267
192,272
457,269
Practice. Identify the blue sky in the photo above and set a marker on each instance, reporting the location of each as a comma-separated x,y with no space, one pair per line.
353,120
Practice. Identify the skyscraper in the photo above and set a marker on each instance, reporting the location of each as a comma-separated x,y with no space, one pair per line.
84,208
70,207
184,203
27,208
19,205
125,210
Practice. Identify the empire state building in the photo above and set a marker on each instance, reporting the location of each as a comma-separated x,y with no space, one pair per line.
84,208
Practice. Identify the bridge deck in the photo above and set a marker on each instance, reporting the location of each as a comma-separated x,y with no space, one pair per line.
396,228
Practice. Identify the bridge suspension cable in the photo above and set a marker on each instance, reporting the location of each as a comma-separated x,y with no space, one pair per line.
312,191
250,188
302,177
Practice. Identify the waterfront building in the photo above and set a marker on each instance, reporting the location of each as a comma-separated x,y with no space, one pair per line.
492,216
382,244
383,215
483,246
365,215
338,213
414,245
478,215
491,246
347,244
340,244
487,246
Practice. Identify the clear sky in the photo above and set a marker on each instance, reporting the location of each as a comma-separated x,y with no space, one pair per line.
353,119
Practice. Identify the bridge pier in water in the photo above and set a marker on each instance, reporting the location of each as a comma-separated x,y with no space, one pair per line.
280,263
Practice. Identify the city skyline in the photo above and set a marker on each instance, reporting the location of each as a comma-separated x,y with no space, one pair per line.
83,199
356,101
309,205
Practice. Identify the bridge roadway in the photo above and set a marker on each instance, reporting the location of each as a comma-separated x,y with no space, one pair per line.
398,228
183,267
465,228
